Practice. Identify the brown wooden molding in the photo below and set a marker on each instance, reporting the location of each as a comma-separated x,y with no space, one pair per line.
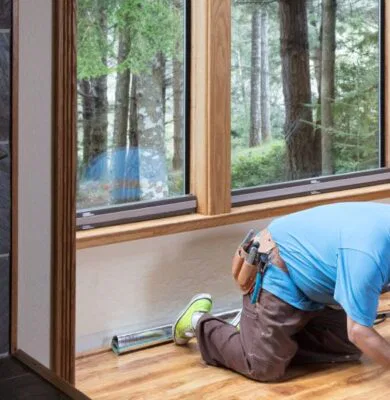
49,376
91,353
219,81
64,190
186,223
14,174
386,60
210,105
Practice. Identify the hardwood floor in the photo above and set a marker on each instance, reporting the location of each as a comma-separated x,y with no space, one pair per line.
171,372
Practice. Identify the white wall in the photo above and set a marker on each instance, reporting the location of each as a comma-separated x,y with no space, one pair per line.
35,96
140,284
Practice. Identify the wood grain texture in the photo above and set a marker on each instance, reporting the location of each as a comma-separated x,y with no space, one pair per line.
14,175
64,188
386,60
167,226
210,105
172,372
219,147
198,104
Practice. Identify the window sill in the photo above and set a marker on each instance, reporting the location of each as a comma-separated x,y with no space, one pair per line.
186,223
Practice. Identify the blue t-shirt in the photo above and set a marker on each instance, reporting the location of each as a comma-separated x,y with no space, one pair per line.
335,254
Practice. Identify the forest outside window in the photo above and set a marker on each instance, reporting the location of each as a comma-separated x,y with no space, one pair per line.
306,92
132,122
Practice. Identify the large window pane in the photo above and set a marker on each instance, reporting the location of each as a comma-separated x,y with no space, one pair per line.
131,98
305,89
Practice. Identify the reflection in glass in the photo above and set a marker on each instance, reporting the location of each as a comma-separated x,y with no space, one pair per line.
130,80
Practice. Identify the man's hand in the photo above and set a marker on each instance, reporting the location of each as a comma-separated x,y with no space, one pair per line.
369,342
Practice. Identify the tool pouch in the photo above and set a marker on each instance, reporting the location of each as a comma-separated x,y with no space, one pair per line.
243,272
238,260
246,277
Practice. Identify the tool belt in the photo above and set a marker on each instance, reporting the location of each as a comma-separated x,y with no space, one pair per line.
252,258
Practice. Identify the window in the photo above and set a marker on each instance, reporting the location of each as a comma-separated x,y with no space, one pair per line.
306,95
132,104
325,114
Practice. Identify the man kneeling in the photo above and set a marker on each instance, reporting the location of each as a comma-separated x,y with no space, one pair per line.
311,284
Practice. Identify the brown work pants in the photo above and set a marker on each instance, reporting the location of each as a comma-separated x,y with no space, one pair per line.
272,335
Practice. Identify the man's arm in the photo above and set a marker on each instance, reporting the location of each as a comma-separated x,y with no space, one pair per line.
370,342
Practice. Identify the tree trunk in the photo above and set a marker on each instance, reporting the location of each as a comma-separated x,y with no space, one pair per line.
151,132
133,116
264,76
178,101
178,104
100,123
298,130
119,172
242,80
178,117
328,82
122,94
315,16
134,194
88,114
255,125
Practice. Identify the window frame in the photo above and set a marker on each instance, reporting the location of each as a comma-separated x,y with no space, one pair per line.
106,215
324,184
210,164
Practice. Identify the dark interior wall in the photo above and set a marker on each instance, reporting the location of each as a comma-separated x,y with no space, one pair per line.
5,184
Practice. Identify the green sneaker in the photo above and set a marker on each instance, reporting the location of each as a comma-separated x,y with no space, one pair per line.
182,330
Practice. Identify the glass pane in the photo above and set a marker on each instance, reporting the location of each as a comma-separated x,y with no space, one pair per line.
305,89
130,85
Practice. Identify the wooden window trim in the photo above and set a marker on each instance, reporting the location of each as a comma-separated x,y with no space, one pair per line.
186,223
386,60
14,176
63,333
210,105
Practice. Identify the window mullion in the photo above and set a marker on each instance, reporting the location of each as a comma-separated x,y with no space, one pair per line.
386,83
210,106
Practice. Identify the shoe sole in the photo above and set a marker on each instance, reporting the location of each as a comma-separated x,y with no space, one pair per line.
192,301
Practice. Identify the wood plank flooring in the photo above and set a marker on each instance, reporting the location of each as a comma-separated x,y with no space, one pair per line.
171,372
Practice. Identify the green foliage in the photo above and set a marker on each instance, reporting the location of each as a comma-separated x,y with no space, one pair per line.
260,165
356,108
175,183
241,68
93,44
151,26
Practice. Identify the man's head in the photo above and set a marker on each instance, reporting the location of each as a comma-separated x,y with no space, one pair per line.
386,288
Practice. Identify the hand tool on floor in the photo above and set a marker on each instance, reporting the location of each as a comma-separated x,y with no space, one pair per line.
125,343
